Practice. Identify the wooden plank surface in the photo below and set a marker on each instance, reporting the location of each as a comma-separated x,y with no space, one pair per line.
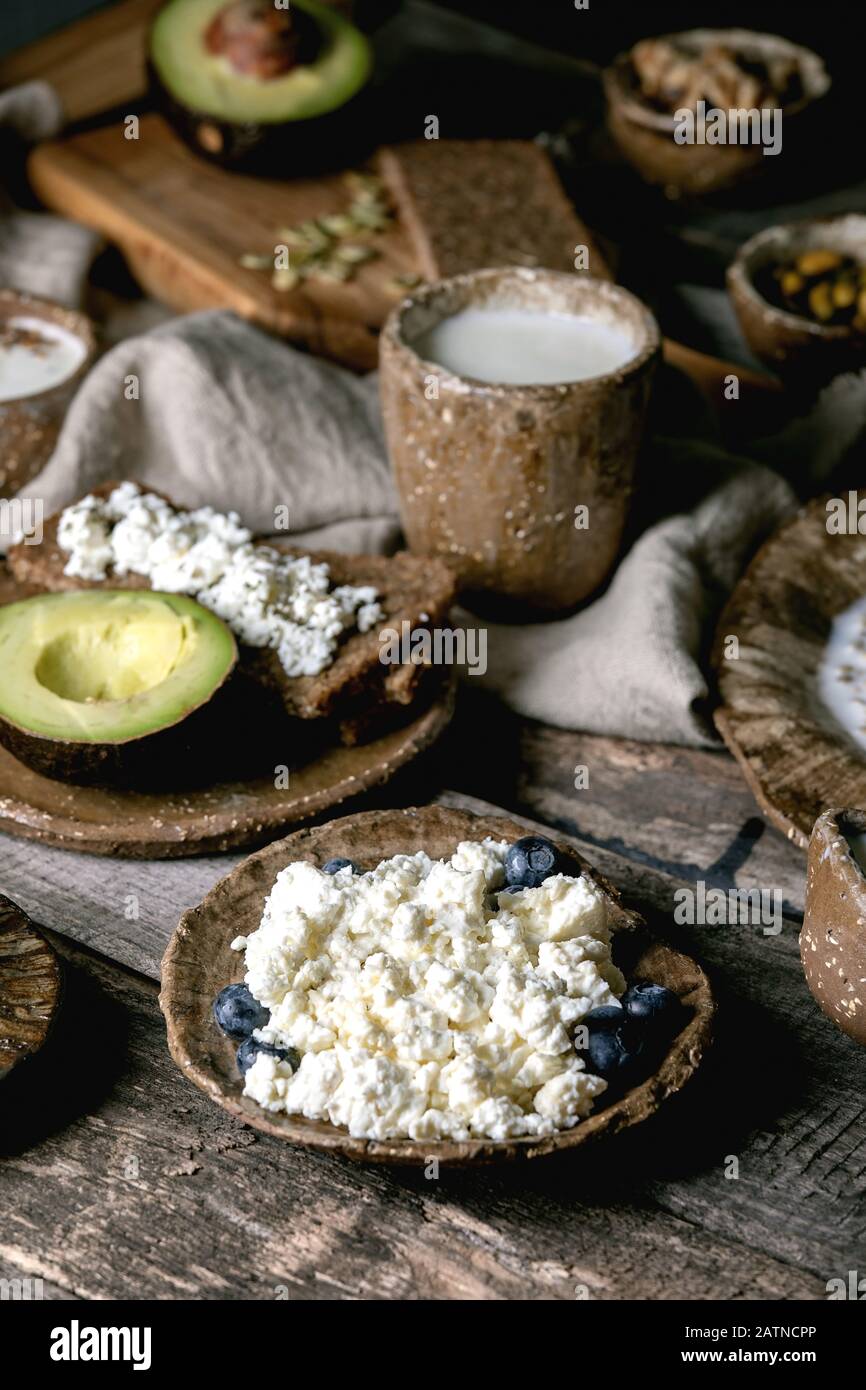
653,817
128,1183
125,1181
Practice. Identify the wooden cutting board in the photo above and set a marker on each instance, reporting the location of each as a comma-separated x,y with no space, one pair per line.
184,224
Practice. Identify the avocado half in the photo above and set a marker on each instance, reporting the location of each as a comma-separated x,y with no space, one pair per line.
246,81
114,687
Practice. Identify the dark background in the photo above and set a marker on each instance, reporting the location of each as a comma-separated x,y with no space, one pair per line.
523,68
835,29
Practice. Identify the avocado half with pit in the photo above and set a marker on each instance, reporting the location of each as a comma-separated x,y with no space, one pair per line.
114,687
250,81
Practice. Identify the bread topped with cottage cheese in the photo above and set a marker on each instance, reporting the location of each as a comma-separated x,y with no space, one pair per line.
307,622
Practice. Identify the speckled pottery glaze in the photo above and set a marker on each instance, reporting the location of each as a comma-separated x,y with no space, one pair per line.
29,426
794,346
833,939
489,475
645,136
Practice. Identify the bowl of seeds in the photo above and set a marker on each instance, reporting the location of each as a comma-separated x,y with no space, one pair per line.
799,292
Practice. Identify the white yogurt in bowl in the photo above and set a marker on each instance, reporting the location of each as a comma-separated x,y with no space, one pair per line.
842,672
35,356
524,347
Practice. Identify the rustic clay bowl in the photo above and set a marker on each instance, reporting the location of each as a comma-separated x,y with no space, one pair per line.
797,347
833,939
199,963
30,425
29,986
489,475
796,758
646,137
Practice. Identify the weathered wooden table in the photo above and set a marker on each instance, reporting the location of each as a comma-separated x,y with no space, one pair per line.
120,1180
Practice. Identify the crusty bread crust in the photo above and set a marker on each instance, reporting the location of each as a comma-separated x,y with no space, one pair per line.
475,203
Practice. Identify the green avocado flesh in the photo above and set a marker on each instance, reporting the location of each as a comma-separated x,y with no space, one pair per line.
206,82
106,667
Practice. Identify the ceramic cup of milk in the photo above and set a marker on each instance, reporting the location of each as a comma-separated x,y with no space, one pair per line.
45,351
514,404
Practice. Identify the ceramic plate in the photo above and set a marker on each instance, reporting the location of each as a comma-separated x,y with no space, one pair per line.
164,825
199,963
797,759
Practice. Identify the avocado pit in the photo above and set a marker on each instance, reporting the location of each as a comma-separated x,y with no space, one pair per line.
257,40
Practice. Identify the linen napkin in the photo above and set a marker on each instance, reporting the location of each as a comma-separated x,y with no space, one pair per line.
39,254
209,410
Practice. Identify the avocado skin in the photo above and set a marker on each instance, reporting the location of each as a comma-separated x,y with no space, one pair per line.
242,731
278,149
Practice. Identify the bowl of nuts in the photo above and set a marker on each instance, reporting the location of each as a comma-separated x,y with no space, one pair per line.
799,292
701,111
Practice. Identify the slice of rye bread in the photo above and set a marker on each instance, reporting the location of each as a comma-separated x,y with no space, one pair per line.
470,204
418,590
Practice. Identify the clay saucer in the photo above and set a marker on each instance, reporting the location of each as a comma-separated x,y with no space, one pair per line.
29,425
208,820
199,963
796,758
645,136
804,350
833,939
29,986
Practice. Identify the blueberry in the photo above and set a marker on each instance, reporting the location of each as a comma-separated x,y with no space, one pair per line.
334,866
614,1046
658,1008
237,1013
531,860
251,1047
604,1018
615,1053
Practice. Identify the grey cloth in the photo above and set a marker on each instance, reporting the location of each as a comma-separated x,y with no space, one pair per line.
32,111
632,663
210,410
40,254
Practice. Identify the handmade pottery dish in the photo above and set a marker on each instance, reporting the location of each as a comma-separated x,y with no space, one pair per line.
209,820
800,345
523,488
789,670
30,985
833,938
641,112
200,963
45,352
